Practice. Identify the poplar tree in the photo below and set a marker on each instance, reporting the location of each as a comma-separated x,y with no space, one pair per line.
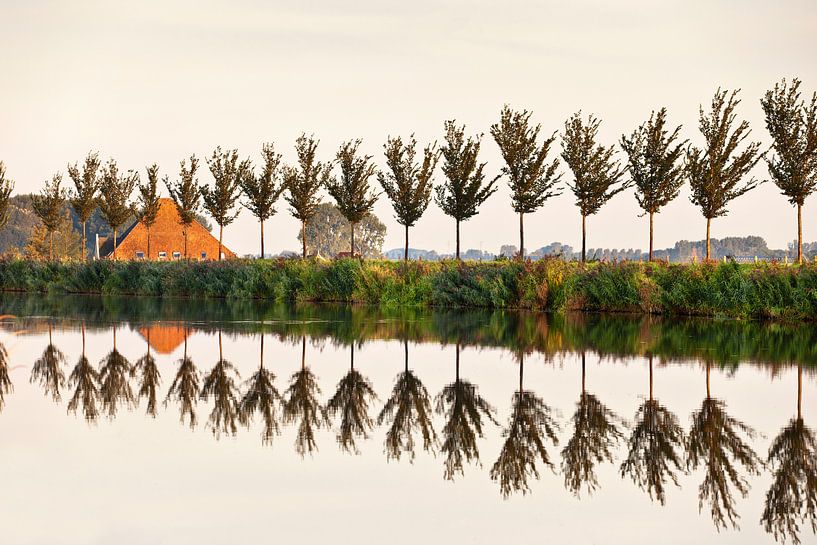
654,166
6,187
186,195
220,199
263,190
48,207
304,181
115,193
716,171
793,126
597,177
408,183
83,197
148,206
531,177
351,191
465,189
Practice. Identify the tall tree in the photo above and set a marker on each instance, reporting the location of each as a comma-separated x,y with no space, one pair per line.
220,384
597,177
304,181
465,189
596,433
654,154
83,197
149,378
65,242
185,387
793,126
716,441
463,408
716,171
115,193
792,498
221,198
408,408
147,208
301,404
351,191
263,190
114,387
186,195
85,381
6,187
262,396
531,177
531,426
48,207
655,448
351,401
408,183
47,370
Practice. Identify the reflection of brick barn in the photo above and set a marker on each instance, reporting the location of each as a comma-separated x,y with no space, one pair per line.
166,239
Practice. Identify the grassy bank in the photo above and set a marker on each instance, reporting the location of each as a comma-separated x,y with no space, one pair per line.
762,291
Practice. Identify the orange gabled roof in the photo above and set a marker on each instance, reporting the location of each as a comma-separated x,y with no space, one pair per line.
166,236
165,338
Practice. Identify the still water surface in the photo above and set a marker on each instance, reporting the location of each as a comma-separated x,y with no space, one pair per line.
147,421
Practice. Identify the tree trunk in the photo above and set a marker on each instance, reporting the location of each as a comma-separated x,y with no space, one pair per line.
583,373
650,358
303,236
457,359
800,233
405,348
84,243
352,358
799,392
405,254
584,238
114,244
708,247
262,350
521,237
521,370
303,352
708,394
220,356
651,215
352,228
220,236
51,246
148,243
262,239
184,233
458,240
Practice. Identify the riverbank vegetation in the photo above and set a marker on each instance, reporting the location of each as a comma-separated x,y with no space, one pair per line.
759,291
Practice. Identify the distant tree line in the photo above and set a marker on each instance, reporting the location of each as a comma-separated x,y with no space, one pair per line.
657,163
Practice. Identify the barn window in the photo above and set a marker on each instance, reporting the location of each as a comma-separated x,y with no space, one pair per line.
177,255
162,255
140,255
204,255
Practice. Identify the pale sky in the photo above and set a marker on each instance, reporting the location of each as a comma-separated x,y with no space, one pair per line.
156,81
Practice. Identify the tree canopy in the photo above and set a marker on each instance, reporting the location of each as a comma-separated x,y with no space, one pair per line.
6,187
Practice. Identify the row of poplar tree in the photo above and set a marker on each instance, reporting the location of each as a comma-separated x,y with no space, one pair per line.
658,165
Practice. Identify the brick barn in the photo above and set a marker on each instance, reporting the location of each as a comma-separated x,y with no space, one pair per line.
166,240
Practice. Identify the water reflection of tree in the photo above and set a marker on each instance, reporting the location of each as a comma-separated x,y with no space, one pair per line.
47,370
149,378
261,396
5,381
792,497
220,384
114,388
716,442
185,388
408,408
595,434
351,401
85,381
464,409
301,404
653,456
531,425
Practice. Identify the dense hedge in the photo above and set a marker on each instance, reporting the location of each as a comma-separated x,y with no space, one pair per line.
766,291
